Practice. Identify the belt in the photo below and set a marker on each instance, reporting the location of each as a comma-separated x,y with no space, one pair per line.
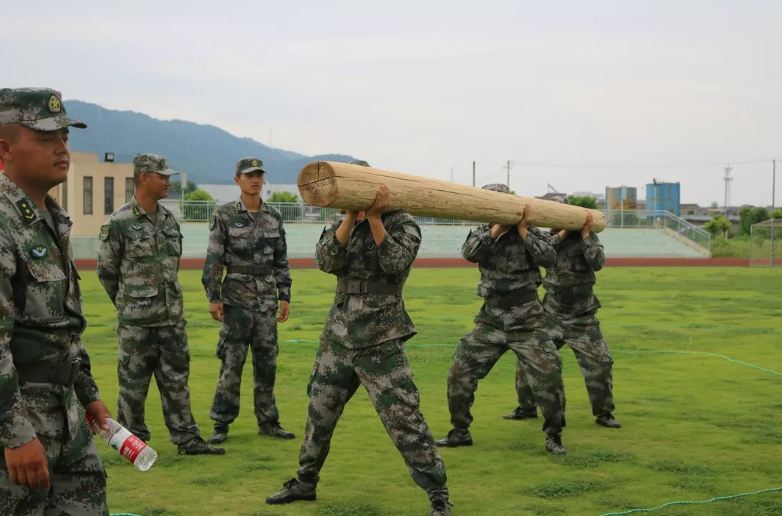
352,286
255,270
571,295
47,372
513,299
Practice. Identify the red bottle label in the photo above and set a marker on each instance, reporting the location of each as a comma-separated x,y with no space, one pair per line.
131,447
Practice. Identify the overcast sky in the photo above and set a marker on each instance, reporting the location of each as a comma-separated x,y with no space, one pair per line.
579,94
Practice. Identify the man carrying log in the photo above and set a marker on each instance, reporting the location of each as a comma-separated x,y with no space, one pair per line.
511,318
371,254
570,301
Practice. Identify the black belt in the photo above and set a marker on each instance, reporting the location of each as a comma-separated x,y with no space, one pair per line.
571,295
352,286
513,299
46,372
255,270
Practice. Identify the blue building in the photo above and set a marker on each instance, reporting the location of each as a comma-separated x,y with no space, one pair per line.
662,196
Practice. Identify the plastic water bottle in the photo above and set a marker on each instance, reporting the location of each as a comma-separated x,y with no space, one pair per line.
139,453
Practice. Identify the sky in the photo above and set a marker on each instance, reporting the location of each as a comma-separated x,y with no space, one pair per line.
576,94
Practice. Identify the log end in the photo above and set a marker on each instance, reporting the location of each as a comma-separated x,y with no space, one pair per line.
316,183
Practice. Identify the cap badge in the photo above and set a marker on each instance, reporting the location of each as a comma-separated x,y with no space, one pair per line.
254,163
55,106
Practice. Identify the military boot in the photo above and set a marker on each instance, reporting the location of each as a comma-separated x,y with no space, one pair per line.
292,490
275,430
219,434
440,504
554,445
520,413
608,421
456,437
198,446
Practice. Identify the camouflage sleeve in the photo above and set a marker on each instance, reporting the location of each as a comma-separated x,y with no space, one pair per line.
330,255
478,244
15,428
593,252
282,272
214,264
110,258
540,247
85,386
398,250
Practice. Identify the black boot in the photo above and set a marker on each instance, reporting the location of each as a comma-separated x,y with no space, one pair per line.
456,437
608,421
292,490
198,446
219,434
440,505
554,445
275,430
520,413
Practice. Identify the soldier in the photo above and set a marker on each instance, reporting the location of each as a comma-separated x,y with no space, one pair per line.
371,254
511,318
138,262
49,462
573,306
247,240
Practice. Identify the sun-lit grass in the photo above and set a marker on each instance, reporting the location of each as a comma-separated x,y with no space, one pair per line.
696,425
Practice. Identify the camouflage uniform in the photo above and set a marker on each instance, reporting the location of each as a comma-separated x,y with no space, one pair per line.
45,377
573,307
511,318
251,247
363,344
138,262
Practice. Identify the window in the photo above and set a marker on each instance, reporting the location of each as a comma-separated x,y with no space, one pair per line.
88,195
130,188
108,195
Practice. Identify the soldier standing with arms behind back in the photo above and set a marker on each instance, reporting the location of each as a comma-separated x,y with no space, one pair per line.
573,306
363,344
138,263
49,461
511,318
247,241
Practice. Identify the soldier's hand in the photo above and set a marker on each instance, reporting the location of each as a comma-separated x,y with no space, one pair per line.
526,220
381,202
97,411
27,465
562,234
497,229
587,226
285,310
216,311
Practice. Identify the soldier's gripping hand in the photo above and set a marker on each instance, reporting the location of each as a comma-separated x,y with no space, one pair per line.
216,311
285,310
381,203
98,412
587,228
497,230
526,221
27,465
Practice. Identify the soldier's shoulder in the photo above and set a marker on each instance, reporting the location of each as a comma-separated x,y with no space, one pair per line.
399,217
122,213
274,212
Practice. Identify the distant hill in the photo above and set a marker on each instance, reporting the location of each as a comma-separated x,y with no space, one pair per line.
207,153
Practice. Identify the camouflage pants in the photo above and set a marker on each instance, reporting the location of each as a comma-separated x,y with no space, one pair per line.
78,482
384,372
240,328
480,349
582,334
161,351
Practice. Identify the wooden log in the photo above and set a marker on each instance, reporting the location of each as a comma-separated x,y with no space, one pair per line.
353,187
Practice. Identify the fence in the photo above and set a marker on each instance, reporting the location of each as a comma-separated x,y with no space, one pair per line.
765,243
658,220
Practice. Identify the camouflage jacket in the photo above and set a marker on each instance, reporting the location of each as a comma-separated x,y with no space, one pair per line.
138,262
570,279
40,320
363,320
254,252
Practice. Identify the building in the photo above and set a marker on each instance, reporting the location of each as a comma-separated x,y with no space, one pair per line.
663,196
621,198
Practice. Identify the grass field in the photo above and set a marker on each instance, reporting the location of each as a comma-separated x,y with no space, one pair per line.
696,425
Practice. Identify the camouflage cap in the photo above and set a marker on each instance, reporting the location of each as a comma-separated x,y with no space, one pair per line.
37,108
359,162
496,187
250,164
152,163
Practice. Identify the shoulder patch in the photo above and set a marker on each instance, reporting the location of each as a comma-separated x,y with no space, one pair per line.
104,232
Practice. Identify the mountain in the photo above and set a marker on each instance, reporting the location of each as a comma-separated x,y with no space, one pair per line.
207,153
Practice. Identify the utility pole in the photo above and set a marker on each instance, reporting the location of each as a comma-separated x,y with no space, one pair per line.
473,173
773,192
728,179
507,183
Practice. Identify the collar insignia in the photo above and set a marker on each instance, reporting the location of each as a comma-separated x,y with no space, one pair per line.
28,214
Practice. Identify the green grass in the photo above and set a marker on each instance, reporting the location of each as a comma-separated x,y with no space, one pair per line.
696,426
